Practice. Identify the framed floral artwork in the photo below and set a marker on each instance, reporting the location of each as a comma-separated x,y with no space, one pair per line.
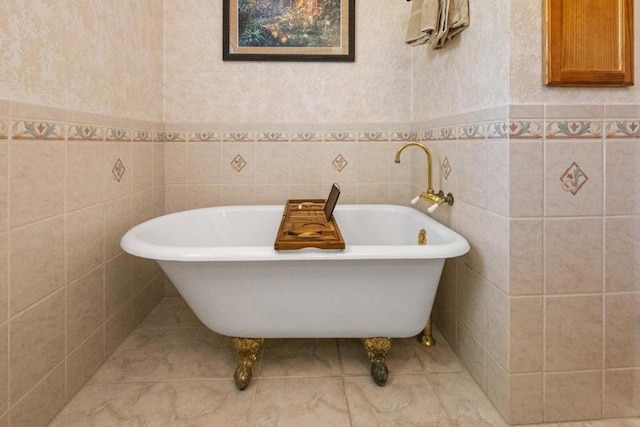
289,30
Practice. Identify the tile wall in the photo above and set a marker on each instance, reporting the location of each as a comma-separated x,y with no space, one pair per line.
545,309
70,185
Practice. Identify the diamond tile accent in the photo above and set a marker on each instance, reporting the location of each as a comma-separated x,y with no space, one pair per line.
118,170
573,179
446,168
339,163
238,163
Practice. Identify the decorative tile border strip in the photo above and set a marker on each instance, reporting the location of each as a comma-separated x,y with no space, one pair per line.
340,136
473,131
525,129
574,129
118,135
204,136
623,129
4,130
373,136
273,136
306,136
85,133
25,129
404,136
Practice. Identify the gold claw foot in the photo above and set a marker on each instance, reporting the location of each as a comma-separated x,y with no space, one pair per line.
377,349
426,336
247,350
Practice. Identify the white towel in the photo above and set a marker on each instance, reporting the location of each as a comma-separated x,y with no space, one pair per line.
436,22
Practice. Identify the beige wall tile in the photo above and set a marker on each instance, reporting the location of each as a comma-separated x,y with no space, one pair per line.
205,196
622,178
621,393
117,283
145,300
622,252
344,156
573,256
497,329
498,177
237,194
573,333
371,193
526,178
525,399
204,162
472,173
157,199
471,300
374,161
84,361
498,387
272,163
175,164
4,365
158,164
471,222
37,344
447,286
559,158
472,354
117,221
84,174
4,179
142,273
85,307
575,396
4,278
526,266
114,151
305,163
36,262
118,327
445,319
238,163
175,197
622,330
142,166
525,334
36,181
42,403
497,251
142,207
84,240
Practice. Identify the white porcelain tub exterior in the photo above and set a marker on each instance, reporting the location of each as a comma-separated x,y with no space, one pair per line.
223,263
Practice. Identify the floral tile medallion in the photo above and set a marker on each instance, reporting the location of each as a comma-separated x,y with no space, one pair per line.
339,163
238,163
573,179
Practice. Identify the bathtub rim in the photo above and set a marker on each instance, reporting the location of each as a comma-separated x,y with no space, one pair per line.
133,245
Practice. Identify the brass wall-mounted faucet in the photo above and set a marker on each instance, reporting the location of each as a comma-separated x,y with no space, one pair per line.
436,199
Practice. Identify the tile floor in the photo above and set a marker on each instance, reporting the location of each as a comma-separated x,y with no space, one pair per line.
172,371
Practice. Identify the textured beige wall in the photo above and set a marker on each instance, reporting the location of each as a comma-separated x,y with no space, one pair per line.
525,53
471,73
200,87
94,56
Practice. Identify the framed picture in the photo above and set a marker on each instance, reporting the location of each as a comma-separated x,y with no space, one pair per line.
288,30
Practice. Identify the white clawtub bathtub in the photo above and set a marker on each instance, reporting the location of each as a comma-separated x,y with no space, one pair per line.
223,263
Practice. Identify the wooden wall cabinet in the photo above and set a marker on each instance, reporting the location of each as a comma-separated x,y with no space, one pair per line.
588,42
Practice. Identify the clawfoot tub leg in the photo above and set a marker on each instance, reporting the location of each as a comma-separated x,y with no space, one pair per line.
426,336
248,350
377,349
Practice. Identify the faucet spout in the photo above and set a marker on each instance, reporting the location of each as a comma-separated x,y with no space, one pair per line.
429,162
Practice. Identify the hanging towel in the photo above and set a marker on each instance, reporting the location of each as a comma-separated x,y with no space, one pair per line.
457,21
423,22
436,22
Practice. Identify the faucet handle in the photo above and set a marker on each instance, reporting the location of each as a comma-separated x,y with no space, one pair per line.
432,208
415,199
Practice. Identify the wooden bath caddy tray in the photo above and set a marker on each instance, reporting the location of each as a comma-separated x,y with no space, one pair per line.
304,225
